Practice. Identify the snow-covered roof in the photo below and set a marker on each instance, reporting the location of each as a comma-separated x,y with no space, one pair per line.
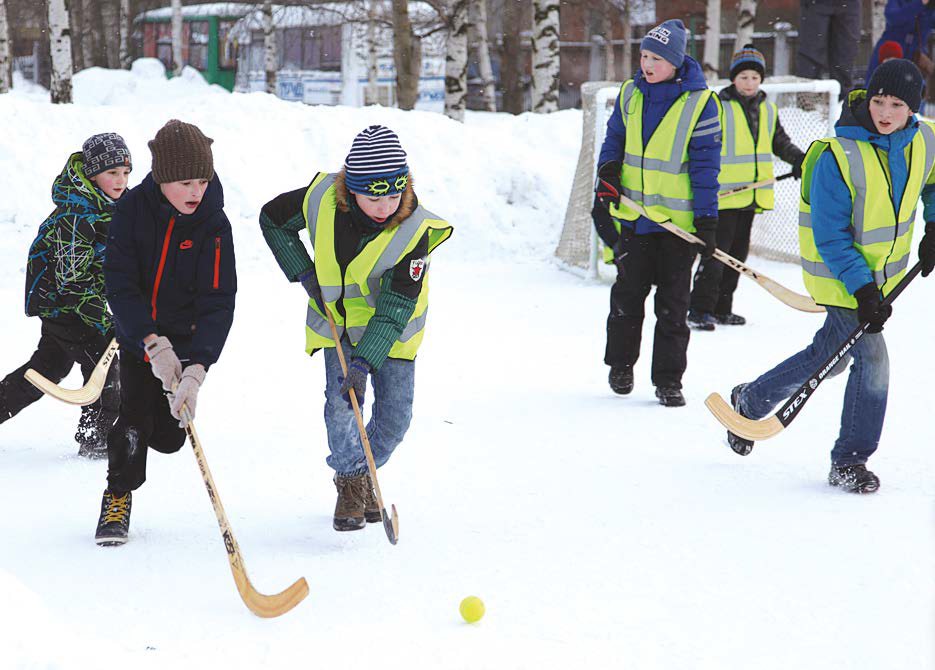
232,9
331,14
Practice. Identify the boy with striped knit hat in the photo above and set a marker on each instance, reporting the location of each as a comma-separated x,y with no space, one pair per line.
371,241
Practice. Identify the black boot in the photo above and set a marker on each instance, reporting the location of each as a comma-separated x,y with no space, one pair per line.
372,511
740,445
91,435
114,522
352,502
621,379
730,319
700,320
669,396
853,478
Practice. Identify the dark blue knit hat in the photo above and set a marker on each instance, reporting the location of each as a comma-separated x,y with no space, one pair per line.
747,58
104,151
376,165
668,40
901,79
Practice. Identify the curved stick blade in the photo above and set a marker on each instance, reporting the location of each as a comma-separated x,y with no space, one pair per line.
269,607
391,525
83,396
741,425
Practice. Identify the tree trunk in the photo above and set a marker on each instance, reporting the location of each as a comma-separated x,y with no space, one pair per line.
511,69
124,28
712,41
456,60
91,33
626,69
607,27
60,48
407,56
76,21
110,18
177,37
270,60
878,19
6,51
479,25
746,16
546,59
372,91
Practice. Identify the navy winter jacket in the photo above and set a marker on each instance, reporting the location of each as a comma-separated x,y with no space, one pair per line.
704,152
171,274
901,19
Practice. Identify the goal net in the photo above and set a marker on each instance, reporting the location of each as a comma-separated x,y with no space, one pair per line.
808,109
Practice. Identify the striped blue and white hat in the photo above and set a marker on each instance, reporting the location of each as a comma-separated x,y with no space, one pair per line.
376,165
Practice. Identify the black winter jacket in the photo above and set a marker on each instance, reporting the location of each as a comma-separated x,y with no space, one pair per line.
782,145
171,274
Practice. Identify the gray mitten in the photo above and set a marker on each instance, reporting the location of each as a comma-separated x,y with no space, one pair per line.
186,394
165,364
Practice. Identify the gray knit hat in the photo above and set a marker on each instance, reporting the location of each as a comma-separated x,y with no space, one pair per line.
181,152
103,152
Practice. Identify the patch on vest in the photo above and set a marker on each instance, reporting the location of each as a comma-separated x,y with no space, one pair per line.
416,268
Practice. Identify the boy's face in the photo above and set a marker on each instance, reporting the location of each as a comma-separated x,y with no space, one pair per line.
112,182
186,195
378,209
747,82
655,68
889,113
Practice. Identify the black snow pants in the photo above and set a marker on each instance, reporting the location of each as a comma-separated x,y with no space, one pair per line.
715,283
666,261
144,423
64,341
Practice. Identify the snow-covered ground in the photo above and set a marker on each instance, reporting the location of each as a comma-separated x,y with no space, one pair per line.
600,531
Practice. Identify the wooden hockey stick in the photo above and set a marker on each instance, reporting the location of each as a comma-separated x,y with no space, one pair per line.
88,393
756,184
763,429
262,605
795,300
390,522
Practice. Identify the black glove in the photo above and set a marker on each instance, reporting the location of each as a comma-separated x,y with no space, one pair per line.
608,187
706,231
797,167
310,283
927,249
869,309
621,249
603,223
357,373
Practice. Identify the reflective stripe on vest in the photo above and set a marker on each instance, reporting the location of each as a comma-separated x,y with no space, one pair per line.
745,159
657,176
881,235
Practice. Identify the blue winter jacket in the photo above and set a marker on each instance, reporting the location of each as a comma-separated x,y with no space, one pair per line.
901,16
179,283
831,199
704,153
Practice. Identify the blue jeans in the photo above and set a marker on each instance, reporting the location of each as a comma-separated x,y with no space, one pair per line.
864,397
393,388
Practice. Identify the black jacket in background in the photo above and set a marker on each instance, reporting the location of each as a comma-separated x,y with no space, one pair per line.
782,145
193,302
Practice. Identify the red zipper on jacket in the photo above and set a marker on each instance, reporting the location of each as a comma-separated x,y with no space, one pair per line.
217,260
162,264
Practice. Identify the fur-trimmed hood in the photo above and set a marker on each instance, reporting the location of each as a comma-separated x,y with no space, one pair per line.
407,203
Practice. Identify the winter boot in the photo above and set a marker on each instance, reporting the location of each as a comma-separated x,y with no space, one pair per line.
372,511
621,379
669,396
114,524
740,445
730,319
853,478
352,502
700,320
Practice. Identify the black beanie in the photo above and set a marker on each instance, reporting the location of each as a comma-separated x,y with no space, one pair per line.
901,79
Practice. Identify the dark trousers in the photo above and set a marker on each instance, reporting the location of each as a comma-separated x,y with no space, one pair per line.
65,341
715,283
829,34
666,261
144,423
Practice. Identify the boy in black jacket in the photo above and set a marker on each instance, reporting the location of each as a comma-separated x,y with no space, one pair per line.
171,282
65,287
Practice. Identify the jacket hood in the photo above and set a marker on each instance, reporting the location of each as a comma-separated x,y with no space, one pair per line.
855,124
688,77
407,203
72,190
211,203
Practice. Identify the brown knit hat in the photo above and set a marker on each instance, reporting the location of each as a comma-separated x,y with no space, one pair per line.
181,152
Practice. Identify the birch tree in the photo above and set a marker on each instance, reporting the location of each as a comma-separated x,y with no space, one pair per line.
878,19
6,55
371,92
270,61
110,17
746,16
511,67
407,56
712,40
456,59
607,28
177,37
60,51
482,44
75,22
546,59
124,28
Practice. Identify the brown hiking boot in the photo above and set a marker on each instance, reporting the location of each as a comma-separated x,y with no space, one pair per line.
352,500
372,510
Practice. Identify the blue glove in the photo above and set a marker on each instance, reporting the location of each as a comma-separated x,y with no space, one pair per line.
310,283
357,373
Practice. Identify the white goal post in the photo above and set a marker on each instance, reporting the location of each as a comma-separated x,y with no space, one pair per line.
808,109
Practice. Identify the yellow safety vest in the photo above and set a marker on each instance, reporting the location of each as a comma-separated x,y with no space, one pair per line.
742,161
358,288
882,236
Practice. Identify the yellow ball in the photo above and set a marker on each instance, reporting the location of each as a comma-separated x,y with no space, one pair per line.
472,609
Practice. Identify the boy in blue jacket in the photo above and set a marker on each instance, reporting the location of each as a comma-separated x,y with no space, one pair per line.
662,150
171,282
